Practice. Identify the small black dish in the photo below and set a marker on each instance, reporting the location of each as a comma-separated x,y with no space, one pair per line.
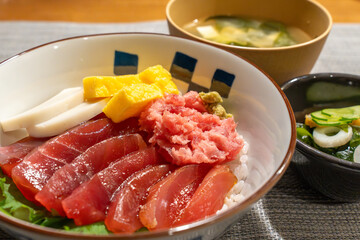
335,178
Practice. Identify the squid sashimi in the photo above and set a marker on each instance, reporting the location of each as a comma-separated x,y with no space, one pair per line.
123,214
37,167
167,198
82,168
89,202
210,195
12,155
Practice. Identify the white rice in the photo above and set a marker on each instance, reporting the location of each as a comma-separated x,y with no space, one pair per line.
240,170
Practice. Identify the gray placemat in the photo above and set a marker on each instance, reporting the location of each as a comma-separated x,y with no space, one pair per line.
292,209
16,37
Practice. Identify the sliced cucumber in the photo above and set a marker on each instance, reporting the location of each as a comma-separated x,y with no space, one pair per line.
329,123
336,116
319,115
348,113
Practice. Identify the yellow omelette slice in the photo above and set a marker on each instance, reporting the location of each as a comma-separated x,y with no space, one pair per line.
106,86
159,76
131,100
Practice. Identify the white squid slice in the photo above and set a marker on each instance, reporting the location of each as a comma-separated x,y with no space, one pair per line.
329,137
68,119
63,101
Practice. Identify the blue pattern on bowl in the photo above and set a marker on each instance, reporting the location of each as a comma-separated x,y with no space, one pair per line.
125,63
182,68
222,82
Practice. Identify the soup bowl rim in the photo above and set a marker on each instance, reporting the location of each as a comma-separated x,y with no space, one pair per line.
254,49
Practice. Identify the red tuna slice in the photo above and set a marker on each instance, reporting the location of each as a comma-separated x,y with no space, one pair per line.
12,155
123,214
210,196
167,198
82,168
36,169
88,203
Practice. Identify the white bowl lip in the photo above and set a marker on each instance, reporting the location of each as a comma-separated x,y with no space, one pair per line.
266,187
257,49
309,150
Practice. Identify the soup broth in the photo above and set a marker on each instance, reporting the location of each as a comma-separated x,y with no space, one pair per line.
246,32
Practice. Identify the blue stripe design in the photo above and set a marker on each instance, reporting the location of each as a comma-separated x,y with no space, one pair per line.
184,61
224,77
222,82
125,63
182,68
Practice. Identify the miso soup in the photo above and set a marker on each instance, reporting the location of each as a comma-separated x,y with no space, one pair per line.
246,32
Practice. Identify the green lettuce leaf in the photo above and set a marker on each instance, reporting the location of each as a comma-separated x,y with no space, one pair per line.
355,140
303,134
95,228
13,203
346,154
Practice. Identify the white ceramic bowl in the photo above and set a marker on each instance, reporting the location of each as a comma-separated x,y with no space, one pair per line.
261,109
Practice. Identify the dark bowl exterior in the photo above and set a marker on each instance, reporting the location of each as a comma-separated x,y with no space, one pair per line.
333,177
336,181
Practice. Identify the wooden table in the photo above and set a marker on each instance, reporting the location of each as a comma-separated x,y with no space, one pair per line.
127,10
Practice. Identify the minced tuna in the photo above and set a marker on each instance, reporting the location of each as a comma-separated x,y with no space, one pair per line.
186,133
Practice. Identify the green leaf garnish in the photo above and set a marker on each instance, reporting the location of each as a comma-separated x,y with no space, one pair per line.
95,228
13,203
303,134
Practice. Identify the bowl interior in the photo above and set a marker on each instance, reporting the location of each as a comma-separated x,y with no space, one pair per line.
262,111
306,15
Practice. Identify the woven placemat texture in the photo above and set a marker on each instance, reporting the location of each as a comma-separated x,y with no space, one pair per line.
292,209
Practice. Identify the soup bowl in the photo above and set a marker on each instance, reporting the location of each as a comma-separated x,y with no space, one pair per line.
262,112
281,63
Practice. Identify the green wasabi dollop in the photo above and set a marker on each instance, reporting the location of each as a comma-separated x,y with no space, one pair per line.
212,101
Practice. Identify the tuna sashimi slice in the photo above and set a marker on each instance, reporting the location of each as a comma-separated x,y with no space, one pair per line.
12,155
210,195
168,198
37,167
82,168
89,202
123,214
